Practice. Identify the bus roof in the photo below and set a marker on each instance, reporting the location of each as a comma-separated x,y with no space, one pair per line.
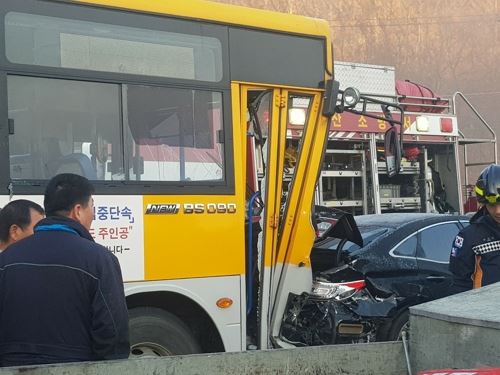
227,14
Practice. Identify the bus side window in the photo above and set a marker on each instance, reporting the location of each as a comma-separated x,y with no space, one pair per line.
174,134
56,123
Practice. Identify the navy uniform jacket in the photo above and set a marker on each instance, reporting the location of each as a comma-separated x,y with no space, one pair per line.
61,298
475,254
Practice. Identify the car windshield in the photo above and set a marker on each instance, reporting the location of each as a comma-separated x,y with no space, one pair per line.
368,233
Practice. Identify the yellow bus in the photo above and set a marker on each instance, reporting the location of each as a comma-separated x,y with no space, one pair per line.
180,112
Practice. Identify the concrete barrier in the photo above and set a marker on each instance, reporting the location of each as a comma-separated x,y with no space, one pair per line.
460,331
359,359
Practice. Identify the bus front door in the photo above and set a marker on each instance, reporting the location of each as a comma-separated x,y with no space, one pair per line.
284,156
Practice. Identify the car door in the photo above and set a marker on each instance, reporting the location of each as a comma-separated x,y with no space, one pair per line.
433,255
401,273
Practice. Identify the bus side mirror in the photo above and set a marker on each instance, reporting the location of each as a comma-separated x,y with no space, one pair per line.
330,99
392,151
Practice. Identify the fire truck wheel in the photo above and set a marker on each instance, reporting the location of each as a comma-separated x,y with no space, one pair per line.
156,333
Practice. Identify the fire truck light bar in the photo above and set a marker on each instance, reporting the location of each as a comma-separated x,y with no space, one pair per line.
422,124
446,125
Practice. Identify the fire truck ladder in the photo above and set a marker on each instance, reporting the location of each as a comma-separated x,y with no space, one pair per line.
462,140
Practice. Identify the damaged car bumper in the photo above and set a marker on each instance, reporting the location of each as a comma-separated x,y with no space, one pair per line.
335,313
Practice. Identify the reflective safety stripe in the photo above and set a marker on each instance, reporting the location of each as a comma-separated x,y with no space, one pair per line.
485,248
477,276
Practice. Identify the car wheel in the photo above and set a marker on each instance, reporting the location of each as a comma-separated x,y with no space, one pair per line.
401,324
156,333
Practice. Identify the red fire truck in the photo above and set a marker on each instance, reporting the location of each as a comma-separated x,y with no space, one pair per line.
354,175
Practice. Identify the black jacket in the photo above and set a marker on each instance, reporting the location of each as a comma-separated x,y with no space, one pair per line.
61,298
475,253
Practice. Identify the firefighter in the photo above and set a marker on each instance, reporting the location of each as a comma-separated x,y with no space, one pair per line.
475,253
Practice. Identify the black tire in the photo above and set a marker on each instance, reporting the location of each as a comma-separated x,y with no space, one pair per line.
156,332
400,324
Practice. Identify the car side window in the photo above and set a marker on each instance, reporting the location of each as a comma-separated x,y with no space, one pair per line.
435,242
406,248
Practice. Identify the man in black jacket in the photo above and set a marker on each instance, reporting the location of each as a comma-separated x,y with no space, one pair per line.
61,294
475,253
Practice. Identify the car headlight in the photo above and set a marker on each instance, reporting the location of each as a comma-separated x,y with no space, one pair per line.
338,291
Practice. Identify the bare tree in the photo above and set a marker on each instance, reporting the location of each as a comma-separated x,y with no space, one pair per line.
449,45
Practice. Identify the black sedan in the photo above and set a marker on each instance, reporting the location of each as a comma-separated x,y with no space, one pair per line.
362,288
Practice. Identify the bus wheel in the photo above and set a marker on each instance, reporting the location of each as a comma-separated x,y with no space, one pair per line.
156,333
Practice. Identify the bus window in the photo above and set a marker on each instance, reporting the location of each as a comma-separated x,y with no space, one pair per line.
73,126
298,115
64,126
259,106
77,44
174,134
